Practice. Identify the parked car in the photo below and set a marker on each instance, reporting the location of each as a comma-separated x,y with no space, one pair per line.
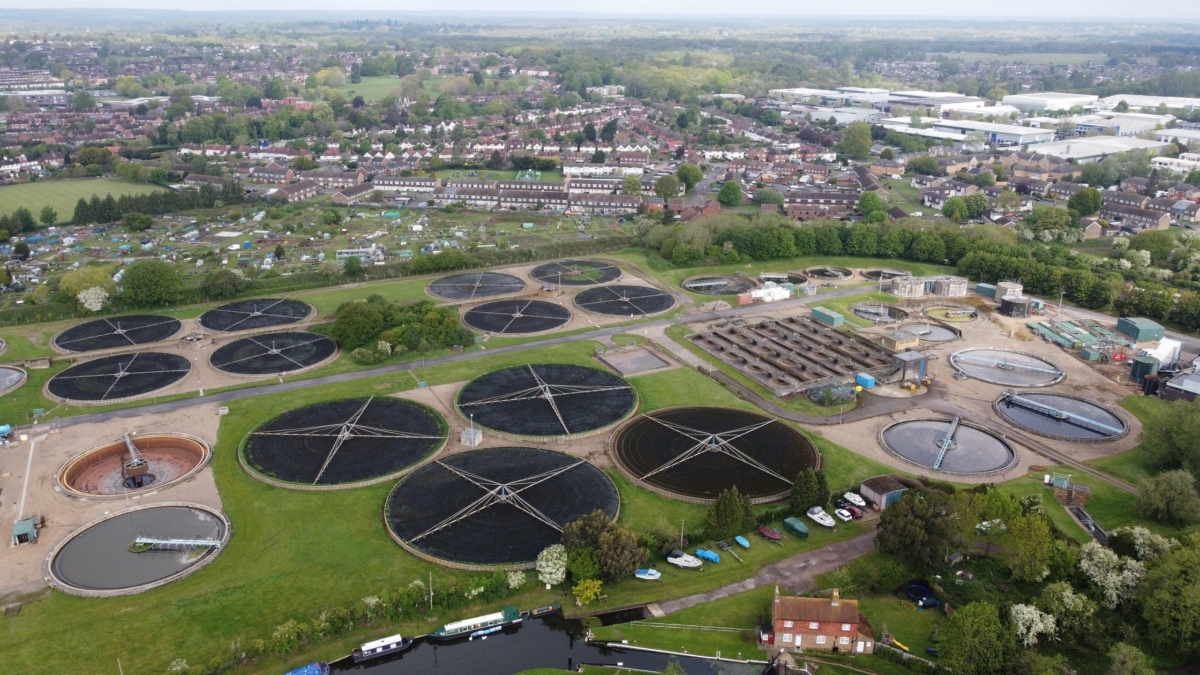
854,511
840,503
844,515
855,499
818,516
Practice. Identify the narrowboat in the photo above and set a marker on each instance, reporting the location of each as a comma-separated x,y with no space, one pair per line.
509,616
318,668
537,612
393,644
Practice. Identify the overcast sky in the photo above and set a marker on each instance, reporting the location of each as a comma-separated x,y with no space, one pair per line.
1185,10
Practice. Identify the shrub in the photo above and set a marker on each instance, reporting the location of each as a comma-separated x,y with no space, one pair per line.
357,324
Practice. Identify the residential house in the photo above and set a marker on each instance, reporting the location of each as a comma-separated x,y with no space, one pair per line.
887,167
475,197
711,208
1126,199
1092,229
272,173
540,199
528,185
405,184
1135,184
1135,219
1030,171
602,186
1030,186
331,178
828,624
296,192
1065,190
196,180
602,203
352,195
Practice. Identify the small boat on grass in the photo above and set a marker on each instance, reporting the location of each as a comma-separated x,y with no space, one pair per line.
710,556
648,574
508,616
680,559
770,535
382,647
742,541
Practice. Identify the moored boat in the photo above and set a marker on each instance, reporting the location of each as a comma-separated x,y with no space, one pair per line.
467,627
542,611
393,644
318,668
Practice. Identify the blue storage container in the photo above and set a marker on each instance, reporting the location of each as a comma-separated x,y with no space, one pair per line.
864,380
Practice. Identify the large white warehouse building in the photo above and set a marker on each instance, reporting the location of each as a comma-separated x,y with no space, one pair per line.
1049,101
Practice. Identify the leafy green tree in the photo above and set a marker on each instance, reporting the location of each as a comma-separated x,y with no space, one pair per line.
619,554
977,204
887,154
136,222
151,283
730,194
589,132
1125,659
919,529
24,218
805,490
1193,178
856,141
220,284
667,187
823,495
357,324
1032,548
1168,598
927,246
582,564
280,254
870,202
1171,437
983,179
609,131
586,530
21,250
1170,497
770,118
48,216
767,196
1086,202
598,157
331,217
1008,201
955,209
353,267
81,100
631,185
730,514
975,642
586,591
925,165
689,174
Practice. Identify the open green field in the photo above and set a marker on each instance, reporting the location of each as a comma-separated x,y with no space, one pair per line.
1068,59
63,194
372,88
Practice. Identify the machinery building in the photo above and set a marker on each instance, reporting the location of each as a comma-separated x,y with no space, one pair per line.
953,287
908,287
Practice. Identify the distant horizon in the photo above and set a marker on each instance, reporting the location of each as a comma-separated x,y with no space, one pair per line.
1076,11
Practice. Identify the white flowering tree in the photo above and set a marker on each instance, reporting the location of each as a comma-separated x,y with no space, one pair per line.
1070,609
1031,622
1145,544
93,299
552,565
516,579
1115,576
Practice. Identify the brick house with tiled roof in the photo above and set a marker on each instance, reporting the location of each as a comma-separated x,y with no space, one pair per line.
819,624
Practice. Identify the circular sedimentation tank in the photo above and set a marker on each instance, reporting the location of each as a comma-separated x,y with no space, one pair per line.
971,450
273,354
102,471
475,285
929,331
879,313
343,444
104,558
828,272
119,331
718,284
575,273
1060,416
11,377
117,378
952,314
497,507
621,300
517,317
695,453
885,273
546,400
1007,367
256,313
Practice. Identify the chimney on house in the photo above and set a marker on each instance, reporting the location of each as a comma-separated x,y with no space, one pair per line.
834,598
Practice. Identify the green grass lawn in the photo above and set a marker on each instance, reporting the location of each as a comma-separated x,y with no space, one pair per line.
902,618
845,469
398,290
1130,465
62,195
903,194
372,88
28,343
842,306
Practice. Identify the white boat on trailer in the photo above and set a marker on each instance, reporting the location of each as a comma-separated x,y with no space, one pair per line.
680,559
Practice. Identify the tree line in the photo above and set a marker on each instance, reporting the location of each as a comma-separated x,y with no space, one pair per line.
110,209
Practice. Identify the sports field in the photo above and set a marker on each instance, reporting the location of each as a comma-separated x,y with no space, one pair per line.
63,194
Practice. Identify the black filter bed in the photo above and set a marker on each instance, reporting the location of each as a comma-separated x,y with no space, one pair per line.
119,331
273,353
623,300
113,378
346,441
700,452
546,400
517,316
575,273
256,313
476,285
496,506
